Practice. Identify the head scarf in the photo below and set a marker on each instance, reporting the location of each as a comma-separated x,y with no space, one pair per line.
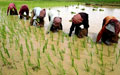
77,19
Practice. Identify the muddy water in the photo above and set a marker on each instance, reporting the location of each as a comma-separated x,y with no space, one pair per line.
67,46
95,17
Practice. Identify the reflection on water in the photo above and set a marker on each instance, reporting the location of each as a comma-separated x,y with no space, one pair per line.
95,17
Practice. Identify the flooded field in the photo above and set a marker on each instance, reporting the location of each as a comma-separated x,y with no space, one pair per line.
28,50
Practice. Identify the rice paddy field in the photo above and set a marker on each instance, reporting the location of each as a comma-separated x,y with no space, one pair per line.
29,50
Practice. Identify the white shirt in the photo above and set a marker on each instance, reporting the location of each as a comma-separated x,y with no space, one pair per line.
52,14
36,12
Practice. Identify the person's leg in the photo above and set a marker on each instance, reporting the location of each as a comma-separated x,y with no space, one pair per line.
11,12
27,12
32,15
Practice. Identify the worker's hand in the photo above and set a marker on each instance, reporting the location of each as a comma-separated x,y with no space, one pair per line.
69,35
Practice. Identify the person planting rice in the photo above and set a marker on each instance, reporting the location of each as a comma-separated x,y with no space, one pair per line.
38,15
78,20
110,30
24,9
12,9
55,21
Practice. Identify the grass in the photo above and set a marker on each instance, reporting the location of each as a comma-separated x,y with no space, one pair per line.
50,60
5,50
77,53
112,66
91,57
26,71
76,70
3,58
62,71
48,70
61,55
27,46
21,51
87,68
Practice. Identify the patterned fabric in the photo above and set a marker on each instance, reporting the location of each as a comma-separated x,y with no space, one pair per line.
77,19
109,20
57,21
24,8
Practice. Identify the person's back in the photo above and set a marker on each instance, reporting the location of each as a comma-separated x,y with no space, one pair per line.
12,9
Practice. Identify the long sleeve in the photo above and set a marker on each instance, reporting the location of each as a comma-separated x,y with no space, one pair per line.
8,10
71,29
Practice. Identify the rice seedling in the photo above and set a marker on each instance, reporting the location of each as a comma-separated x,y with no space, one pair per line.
51,36
16,43
36,36
101,9
83,9
27,46
61,68
115,46
29,61
94,9
73,40
21,51
73,12
84,44
77,7
71,52
63,34
3,58
3,32
26,71
49,70
38,53
112,66
45,45
97,51
50,60
29,29
44,49
61,55
69,45
5,50
91,59
92,43
31,44
72,60
77,53
38,63
101,59
87,68
53,49
58,42
58,10
102,71
15,67
116,58
1,71
76,70
108,51
94,73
